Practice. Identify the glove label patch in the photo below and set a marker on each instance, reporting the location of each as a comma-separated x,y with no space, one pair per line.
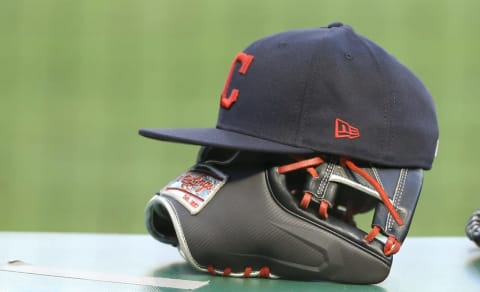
196,187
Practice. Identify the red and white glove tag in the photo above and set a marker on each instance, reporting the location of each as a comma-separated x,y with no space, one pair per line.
196,187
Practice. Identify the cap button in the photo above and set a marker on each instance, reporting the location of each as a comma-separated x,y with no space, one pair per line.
335,24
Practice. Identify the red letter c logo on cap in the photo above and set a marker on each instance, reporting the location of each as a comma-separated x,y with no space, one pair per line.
245,60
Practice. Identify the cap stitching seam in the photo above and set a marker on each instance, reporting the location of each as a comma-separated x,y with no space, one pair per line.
386,125
303,114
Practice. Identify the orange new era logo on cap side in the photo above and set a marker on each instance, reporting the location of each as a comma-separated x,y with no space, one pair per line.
345,130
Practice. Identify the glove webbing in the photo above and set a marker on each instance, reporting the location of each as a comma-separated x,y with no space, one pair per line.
392,244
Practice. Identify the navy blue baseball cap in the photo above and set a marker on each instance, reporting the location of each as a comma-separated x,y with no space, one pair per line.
321,90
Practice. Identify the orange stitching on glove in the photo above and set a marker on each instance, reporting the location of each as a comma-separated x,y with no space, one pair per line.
247,272
307,197
373,233
264,272
227,272
211,270
392,246
323,210
383,195
307,163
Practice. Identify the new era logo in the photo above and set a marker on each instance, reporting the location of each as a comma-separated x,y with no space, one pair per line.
345,130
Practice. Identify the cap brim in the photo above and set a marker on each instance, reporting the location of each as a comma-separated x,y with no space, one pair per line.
220,138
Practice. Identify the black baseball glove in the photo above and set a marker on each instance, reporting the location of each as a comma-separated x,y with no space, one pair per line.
249,214
473,227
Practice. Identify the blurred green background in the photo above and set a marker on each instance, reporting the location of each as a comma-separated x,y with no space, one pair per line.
79,78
